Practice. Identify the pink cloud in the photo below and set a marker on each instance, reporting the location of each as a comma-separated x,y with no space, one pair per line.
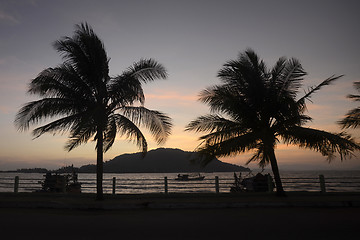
4,17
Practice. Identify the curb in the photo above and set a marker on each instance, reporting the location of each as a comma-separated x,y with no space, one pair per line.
178,205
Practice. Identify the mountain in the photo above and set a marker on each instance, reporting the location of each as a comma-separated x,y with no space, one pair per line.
161,160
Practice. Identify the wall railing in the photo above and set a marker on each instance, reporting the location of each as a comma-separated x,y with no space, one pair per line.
166,185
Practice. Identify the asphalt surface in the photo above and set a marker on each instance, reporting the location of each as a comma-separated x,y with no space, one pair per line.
219,223
300,215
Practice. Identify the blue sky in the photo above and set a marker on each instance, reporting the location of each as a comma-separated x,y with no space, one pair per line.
192,39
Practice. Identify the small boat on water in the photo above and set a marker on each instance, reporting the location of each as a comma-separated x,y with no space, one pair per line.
189,177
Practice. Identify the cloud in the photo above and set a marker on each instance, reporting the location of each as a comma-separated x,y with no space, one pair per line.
171,96
7,18
174,100
5,109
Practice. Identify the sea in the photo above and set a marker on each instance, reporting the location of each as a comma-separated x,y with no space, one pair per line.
141,183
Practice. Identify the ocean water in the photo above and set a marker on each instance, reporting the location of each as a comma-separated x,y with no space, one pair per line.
134,183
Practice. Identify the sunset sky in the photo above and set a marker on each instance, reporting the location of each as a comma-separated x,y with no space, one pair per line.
192,39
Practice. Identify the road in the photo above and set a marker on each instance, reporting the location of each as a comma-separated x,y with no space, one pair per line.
228,223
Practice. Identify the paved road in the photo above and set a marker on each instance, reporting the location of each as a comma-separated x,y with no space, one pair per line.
238,223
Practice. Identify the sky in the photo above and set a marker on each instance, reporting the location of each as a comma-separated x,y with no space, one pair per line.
192,39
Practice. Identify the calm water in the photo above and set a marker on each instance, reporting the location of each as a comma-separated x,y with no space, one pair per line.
154,183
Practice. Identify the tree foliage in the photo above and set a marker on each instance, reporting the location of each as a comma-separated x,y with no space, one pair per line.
352,118
81,98
255,108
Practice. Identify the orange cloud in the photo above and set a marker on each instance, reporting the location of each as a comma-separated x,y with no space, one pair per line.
4,109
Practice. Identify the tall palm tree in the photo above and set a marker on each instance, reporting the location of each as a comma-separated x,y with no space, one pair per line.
88,103
352,118
254,108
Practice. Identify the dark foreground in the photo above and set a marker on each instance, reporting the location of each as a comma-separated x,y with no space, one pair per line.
299,216
239,223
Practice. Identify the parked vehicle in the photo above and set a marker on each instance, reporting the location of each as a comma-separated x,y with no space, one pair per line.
258,183
55,182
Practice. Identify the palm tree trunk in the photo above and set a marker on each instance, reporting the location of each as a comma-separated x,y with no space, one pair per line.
99,165
279,188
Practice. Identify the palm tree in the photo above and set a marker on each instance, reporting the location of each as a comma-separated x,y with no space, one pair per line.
352,118
254,108
88,103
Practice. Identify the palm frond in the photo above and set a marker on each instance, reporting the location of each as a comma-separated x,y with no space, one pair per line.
58,126
63,82
290,79
210,123
285,121
34,112
147,70
314,89
352,119
260,156
354,97
328,144
257,65
247,75
230,101
230,74
127,128
157,122
75,56
110,132
225,148
86,53
278,69
125,90
81,132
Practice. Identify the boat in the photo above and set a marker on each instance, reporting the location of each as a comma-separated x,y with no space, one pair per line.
189,177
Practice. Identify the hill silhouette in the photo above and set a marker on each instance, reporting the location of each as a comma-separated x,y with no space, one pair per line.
161,160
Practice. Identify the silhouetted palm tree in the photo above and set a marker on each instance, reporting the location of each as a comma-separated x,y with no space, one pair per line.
260,109
91,104
352,118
